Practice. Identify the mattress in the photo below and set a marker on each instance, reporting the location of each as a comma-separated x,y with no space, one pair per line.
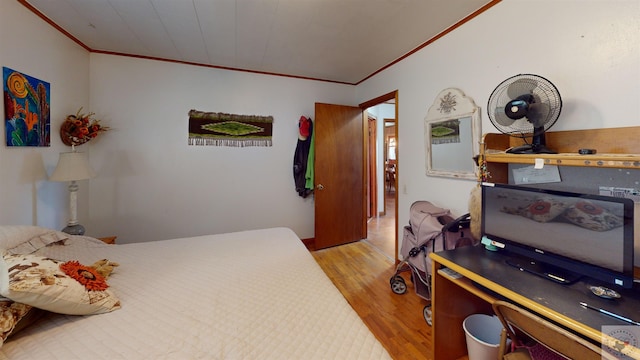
246,295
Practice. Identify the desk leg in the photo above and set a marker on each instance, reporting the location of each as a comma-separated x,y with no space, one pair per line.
451,304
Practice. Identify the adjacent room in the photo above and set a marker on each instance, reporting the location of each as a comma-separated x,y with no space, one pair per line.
230,179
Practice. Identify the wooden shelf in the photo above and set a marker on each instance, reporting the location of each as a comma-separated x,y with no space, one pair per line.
624,161
621,140
615,148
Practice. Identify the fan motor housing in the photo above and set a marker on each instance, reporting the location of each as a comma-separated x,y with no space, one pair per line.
516,109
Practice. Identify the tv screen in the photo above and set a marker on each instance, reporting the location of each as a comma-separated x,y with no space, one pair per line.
563,235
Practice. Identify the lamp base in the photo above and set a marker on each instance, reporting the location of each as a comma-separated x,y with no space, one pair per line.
74,229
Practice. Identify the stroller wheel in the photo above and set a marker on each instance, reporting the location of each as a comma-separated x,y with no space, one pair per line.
398,286
426,312
395,277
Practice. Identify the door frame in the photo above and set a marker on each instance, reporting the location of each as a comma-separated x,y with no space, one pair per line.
372,166
393,95
385,143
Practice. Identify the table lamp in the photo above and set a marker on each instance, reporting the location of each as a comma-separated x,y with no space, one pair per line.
72,166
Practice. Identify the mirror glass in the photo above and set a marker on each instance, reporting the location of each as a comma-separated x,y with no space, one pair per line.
452,135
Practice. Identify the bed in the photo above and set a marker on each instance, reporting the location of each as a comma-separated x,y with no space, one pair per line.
245,295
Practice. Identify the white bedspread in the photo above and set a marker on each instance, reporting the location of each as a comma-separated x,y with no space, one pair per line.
246,295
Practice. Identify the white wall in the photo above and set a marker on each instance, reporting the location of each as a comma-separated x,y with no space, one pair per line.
152,185
589,49
31,46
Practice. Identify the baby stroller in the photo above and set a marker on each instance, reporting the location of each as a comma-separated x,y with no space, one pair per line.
430,229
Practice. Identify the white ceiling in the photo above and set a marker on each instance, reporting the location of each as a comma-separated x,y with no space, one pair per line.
334,40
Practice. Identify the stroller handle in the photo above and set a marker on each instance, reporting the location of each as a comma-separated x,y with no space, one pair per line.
457,224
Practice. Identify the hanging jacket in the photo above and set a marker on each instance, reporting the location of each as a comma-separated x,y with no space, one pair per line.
301,156
310,185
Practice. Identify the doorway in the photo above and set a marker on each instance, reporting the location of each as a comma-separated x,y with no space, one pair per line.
335,222
382,167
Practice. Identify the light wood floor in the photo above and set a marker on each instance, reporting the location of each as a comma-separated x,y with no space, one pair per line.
362,272
381,228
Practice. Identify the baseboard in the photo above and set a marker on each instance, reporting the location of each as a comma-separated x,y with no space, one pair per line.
310,243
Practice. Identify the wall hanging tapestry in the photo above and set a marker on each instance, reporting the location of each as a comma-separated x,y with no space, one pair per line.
220,129
26,109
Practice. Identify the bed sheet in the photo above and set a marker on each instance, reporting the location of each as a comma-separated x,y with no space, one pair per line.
246,295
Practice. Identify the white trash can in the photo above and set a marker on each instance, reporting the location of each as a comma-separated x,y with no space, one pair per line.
482,333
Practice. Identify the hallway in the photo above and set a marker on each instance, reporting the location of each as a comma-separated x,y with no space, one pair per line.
381,228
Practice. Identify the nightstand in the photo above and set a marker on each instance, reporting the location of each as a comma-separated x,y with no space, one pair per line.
109,239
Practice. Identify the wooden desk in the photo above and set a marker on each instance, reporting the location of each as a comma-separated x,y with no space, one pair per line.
486,277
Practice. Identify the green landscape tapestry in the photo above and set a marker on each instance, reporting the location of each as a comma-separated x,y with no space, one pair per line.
221,129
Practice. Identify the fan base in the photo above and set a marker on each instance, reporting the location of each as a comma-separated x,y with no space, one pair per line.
530,149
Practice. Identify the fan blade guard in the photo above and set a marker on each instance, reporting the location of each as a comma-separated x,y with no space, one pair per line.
520,87
537,114
502,118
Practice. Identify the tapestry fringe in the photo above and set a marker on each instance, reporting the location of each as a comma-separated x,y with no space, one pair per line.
229,142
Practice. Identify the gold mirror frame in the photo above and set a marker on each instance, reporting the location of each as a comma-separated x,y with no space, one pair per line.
452,135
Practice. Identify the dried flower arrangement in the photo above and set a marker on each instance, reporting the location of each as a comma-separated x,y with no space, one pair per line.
80,128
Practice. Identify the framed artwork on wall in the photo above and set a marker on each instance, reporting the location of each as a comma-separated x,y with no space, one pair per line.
26,109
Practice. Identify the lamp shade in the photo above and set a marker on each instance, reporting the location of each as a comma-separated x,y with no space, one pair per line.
72,166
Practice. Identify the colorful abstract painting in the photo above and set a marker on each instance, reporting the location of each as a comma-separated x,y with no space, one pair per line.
220,129
26,109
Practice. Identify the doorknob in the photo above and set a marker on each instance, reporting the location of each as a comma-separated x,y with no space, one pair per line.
320,187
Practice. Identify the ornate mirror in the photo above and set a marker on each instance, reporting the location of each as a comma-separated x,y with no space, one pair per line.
452,135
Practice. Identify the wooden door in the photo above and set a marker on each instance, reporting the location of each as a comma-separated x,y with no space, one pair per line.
339,175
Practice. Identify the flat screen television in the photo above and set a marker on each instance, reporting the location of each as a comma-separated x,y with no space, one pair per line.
560,235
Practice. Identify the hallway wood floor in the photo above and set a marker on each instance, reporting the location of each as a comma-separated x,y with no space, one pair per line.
362,272
381,228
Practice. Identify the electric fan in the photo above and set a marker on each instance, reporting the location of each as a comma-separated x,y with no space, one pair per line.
524,106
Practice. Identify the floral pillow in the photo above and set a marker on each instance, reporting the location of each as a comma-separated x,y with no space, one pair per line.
592,216
541,210
61,287
11,315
